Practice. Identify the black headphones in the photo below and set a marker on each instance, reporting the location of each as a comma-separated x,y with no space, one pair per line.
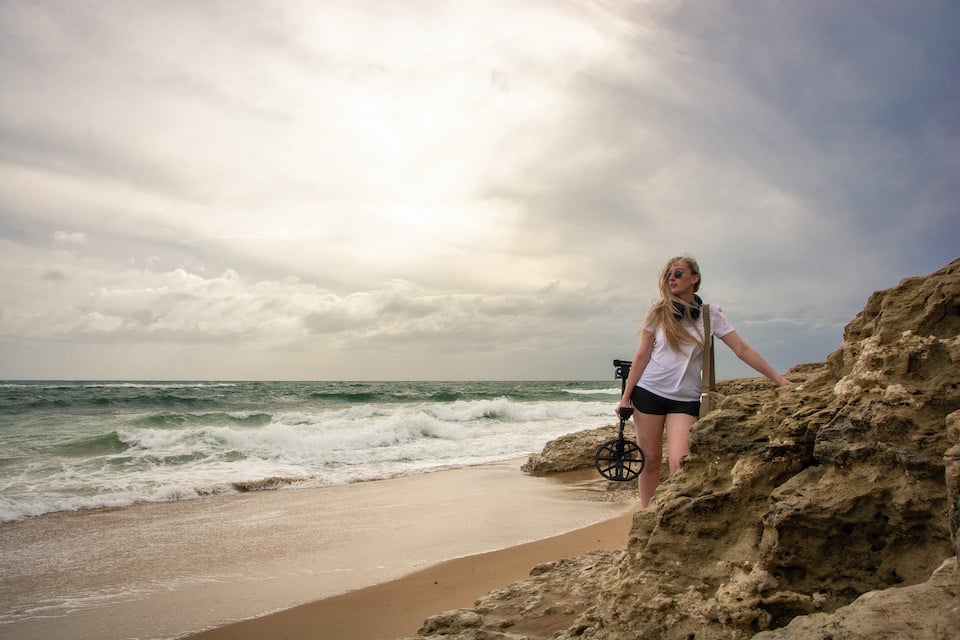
680,309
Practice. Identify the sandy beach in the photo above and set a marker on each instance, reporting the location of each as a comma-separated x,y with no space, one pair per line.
397,608
367,560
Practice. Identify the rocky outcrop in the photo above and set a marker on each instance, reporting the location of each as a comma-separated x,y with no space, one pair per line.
571,452
814,511
951,461
551,599
926,611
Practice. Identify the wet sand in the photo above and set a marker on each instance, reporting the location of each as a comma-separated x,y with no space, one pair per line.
167,570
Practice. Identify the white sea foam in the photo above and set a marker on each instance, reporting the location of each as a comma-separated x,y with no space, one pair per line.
157,385
612,391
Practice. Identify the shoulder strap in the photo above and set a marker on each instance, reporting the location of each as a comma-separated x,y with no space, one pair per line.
708,380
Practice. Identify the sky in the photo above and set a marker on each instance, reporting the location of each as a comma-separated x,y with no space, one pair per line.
458,190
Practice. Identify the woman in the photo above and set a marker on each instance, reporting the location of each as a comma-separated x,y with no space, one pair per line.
664,381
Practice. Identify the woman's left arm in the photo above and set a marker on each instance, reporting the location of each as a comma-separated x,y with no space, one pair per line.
749,355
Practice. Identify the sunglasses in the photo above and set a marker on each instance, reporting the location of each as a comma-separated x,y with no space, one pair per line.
677,273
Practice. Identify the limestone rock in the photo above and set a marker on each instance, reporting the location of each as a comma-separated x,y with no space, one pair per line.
571,452
546,603
951,460
926,611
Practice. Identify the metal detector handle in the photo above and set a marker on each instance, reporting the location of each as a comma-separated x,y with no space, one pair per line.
622,373
623,369
625,414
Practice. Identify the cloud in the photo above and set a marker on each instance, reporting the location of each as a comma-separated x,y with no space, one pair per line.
69,237
188,308
454,185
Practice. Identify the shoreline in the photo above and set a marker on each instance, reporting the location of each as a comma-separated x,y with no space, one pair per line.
397,609
169,570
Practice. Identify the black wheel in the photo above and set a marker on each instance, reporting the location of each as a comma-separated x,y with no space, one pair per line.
619,460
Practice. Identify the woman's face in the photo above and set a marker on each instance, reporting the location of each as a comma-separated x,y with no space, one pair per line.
681,280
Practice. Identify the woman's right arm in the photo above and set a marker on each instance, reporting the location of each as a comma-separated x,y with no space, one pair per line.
640,360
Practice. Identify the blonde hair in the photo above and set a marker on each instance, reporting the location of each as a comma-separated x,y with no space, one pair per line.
665,313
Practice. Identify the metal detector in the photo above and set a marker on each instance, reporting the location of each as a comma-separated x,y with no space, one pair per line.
620,459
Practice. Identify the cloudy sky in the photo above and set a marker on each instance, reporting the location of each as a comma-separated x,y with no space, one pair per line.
428,189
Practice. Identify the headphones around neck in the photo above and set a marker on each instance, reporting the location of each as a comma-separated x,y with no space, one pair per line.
680,309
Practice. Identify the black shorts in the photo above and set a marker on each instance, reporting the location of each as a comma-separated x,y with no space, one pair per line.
646,402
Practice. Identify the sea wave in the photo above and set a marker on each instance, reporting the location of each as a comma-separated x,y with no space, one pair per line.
74,453
113,385
612,391
175,419
105,444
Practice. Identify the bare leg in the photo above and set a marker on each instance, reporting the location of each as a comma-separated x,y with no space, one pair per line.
650,440
678,437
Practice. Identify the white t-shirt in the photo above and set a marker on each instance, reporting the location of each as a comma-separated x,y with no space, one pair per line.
675,374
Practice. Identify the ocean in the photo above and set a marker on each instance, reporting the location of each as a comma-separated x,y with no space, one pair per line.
157,509
72,446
